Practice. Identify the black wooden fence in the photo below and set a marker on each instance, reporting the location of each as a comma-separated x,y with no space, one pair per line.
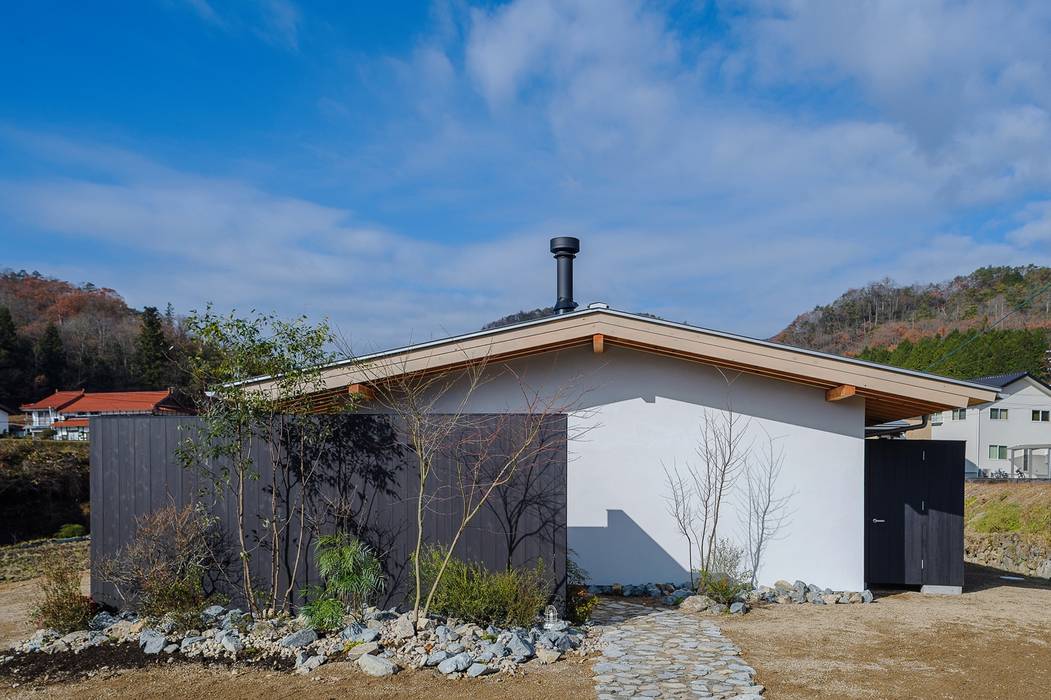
365,481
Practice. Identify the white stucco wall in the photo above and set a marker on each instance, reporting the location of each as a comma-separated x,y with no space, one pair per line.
638,411
980,431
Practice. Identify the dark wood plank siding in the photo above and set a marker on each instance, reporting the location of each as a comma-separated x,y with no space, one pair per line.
367,472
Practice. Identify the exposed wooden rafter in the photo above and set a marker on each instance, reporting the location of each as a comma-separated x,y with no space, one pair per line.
598,342
838,393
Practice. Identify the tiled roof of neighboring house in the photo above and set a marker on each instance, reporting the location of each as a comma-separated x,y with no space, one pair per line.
1001,380
118,402
71,423
56,401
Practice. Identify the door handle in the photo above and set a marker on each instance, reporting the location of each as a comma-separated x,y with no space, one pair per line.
878,520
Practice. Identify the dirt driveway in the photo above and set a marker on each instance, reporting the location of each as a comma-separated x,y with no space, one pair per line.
994,641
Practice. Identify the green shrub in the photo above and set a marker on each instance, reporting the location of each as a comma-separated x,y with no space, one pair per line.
579,604
579,601
62,606
470,591
352,576
725,579
71,530
322,611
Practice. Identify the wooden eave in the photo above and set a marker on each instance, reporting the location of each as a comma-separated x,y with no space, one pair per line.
889,393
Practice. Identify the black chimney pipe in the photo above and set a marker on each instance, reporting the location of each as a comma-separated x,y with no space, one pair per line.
565,249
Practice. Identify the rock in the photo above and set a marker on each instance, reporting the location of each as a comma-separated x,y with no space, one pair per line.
350,632
830,598
377,666
782,585
212,612
498,650
231,641
365,649
454,664
548,656
866,596
737,608
311,663
854,598
300,638
844,598
475,670
424,623
814,598
436,658
696,603
717,609
404,627
485,657
520,648
152,642
171,648
455,648
122,630
102,621
188,642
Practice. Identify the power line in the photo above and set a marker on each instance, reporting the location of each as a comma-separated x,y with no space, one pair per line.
1000,320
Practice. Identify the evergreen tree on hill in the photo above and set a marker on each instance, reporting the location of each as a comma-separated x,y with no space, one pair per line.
15,362
50,361
151,362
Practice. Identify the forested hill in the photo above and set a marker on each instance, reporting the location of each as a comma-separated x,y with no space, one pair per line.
57,335
947,327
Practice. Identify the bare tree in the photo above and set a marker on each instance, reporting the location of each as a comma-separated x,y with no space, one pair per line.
766,512
680,495
433,408
722,453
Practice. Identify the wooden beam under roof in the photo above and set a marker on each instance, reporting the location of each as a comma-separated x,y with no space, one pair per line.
598,342
838,393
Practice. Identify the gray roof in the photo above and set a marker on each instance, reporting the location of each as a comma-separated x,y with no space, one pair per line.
999,381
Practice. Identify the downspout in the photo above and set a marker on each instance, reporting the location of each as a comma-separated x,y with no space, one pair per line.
898,431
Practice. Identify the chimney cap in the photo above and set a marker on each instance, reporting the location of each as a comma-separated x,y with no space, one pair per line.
565,244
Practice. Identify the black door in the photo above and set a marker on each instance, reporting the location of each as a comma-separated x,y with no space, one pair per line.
914,512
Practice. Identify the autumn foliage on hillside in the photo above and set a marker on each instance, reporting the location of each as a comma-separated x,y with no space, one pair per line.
56,335
936,319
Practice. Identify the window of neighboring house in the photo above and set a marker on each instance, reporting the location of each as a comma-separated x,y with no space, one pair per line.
1042,416
959,414
997,451
998,414
936,419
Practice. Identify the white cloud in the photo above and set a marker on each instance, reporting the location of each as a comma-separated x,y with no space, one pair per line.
703,180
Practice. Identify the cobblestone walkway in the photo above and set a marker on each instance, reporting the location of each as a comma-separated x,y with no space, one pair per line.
650,653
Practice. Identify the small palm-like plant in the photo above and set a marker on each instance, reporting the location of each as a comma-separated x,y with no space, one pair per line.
352,575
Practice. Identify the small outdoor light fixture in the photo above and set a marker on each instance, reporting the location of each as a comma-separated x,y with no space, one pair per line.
551,618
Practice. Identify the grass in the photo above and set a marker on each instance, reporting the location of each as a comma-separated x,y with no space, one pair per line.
1008,508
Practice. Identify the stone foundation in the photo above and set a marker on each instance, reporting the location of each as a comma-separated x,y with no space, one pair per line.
1029,555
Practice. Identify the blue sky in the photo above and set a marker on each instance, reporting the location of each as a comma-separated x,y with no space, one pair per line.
398,167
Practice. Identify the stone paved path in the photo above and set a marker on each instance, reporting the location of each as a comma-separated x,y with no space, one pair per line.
651,653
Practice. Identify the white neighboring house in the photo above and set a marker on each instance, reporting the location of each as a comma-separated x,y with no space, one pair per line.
1010,436
41,415
642,390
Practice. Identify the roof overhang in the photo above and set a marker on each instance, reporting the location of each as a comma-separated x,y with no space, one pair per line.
890,393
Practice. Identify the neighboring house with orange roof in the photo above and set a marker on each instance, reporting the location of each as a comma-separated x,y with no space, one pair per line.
42,414
70,419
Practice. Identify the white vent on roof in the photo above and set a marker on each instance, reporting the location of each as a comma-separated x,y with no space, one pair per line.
598,305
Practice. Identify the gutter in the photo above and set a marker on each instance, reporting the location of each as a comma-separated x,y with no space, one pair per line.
899,431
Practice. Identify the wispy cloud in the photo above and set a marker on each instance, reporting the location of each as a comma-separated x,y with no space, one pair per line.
277,22
730,178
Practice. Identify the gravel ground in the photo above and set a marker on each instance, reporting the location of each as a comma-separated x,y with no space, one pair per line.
994,641
570,679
